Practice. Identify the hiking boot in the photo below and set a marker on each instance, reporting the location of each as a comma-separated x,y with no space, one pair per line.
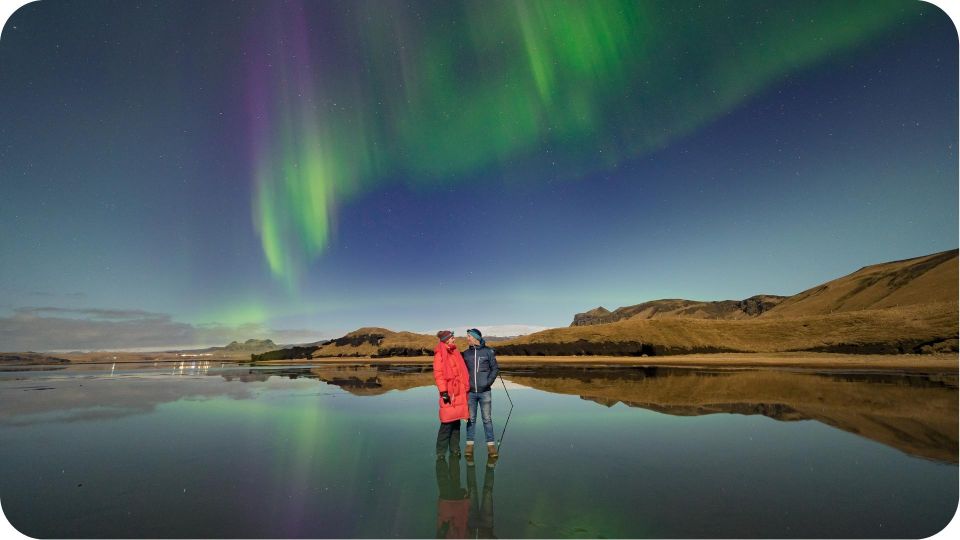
492,451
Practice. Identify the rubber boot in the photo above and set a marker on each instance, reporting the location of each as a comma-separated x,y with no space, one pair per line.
492,451
468,452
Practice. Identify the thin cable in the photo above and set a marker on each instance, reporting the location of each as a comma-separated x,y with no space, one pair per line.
507,423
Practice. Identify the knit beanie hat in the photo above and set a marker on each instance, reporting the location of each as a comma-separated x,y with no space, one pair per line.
444,335
477,335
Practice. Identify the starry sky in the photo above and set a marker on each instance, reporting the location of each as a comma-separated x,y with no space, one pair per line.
187,173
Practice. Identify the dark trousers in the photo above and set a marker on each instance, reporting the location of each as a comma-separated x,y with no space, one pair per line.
448,437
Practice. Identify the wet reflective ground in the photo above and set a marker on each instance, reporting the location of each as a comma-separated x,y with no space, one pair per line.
211,450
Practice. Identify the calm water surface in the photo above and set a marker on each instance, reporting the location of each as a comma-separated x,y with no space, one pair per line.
210,451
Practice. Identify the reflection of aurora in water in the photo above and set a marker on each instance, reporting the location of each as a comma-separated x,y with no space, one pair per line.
343,98
913,413
916,414
278,452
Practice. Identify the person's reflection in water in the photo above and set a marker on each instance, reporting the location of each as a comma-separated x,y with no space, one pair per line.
453,504
480,519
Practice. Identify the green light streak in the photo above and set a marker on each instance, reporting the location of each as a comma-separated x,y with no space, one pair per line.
443,94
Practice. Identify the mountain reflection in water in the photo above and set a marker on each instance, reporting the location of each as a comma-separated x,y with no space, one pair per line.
914,413
314,451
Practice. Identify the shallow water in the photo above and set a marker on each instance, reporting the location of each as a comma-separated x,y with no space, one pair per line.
200,450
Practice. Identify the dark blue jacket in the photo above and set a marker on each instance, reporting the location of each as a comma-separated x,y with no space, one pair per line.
482,367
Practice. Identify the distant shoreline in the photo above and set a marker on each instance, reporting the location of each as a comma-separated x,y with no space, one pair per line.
925,363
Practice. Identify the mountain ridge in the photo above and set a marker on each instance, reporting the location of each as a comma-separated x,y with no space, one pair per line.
682,308
898,307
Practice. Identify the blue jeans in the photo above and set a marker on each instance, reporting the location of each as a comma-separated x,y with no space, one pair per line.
483,398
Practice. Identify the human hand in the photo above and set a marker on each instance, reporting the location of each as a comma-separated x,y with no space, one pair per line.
445,396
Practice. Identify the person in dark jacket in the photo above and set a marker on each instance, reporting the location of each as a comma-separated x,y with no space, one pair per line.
482,369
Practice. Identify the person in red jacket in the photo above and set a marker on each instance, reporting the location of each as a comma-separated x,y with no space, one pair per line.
450,373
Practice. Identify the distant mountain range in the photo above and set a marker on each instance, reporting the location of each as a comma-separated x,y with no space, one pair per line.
370,342
907,306
250,345
678,308
921,280
30,358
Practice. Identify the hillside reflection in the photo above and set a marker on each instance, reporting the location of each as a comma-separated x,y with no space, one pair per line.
916,414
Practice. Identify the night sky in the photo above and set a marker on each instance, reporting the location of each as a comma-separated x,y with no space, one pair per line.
188,173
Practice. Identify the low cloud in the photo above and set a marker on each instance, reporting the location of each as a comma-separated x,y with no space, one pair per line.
91,313
55,328
59,295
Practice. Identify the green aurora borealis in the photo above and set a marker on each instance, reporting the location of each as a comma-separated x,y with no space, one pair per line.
437,91
189,173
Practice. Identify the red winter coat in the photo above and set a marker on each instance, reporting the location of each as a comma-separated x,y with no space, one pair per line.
450,372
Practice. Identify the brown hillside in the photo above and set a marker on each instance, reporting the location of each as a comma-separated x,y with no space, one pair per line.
908,329
921,280
900,307
678,308
378,342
